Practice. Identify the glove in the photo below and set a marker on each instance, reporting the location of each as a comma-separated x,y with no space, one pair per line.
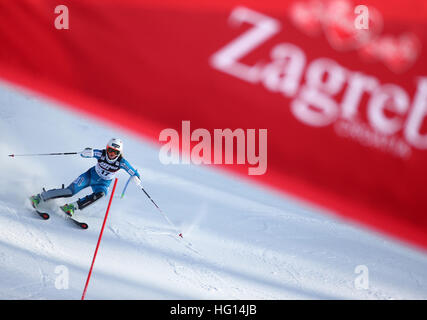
87,153
137,181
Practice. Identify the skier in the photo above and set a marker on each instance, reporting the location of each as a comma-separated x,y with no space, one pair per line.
99,177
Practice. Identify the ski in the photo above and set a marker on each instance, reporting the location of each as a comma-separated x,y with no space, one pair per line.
44,215
82,225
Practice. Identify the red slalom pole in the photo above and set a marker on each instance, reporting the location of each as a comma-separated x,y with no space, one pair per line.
99,240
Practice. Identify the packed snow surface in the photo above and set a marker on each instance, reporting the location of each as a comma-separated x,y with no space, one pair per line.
241,241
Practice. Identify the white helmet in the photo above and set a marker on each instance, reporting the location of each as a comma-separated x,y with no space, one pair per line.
115,146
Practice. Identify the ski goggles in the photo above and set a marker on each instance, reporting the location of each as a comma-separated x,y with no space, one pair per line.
114,151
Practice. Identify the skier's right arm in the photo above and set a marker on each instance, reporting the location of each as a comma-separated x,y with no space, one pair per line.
87,153
91,153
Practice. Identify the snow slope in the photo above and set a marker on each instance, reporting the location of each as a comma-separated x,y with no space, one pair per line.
246,242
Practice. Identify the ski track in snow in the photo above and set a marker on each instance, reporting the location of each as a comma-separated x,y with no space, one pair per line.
240,241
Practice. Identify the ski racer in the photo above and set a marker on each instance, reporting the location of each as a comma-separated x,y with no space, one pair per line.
98,177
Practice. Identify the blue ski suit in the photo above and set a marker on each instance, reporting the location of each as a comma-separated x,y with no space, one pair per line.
99,177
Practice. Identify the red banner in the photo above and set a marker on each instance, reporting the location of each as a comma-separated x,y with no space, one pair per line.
340,88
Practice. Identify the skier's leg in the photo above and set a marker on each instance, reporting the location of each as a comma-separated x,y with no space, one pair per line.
82,181
99,188
99,191
78,184
50,194
90,199
56,193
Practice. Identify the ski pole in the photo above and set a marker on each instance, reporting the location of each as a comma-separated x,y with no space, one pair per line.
126,186
43,154
162,213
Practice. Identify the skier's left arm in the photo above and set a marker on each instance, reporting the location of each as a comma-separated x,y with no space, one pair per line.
125,165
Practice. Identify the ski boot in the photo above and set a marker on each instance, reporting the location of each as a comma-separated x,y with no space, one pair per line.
69,208
35,200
